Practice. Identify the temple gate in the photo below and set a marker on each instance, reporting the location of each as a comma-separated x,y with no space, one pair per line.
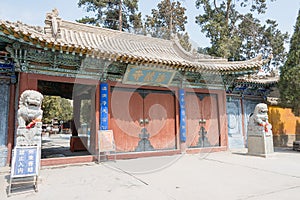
132,81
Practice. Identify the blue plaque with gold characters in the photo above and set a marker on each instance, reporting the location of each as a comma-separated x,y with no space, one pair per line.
103,106
182,115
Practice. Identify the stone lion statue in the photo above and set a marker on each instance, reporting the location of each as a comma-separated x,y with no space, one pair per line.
30,111
258,121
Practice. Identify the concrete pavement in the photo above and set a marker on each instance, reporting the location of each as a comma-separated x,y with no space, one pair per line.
230,175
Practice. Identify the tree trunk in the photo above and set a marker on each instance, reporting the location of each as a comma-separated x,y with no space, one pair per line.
120,16
171,19
227,12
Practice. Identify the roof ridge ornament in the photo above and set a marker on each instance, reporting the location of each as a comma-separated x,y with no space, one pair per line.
52,22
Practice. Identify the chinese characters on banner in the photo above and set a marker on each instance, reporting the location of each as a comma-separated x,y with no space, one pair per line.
182,115
148,76
103,106
25,161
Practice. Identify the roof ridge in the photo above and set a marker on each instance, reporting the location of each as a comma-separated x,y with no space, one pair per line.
76,26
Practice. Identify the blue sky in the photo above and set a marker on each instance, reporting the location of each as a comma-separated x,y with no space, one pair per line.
33,12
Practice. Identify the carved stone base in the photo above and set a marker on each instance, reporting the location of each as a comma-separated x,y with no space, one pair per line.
260,145
29,137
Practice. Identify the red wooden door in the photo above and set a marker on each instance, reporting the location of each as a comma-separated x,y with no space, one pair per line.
159,116
202,120
126,108
142,120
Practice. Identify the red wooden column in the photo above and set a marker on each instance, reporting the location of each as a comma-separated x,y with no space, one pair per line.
11,123
94,126
27,82
23,82
223,118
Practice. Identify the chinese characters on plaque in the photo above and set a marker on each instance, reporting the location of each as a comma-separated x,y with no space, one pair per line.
182,115
103,106
143,75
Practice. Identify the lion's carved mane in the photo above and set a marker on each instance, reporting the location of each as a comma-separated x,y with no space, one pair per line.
259,119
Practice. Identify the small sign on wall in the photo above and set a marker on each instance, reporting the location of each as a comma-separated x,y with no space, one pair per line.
106,143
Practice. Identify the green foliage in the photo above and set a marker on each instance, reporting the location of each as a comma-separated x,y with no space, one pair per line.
167,20
259,6
107,14
184,41
56,107
240,36
219,26
202,50
289,84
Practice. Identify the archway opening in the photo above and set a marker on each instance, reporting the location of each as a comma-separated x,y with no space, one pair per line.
67,118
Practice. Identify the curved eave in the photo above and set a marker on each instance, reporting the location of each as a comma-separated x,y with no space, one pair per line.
262,82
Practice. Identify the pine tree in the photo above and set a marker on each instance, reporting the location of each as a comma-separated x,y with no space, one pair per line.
238,36
168,22
113,14
289,84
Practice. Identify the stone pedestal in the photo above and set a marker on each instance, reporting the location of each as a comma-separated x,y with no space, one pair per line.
260,145
260,136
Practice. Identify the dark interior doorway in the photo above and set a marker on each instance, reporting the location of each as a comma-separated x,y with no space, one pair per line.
61,137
